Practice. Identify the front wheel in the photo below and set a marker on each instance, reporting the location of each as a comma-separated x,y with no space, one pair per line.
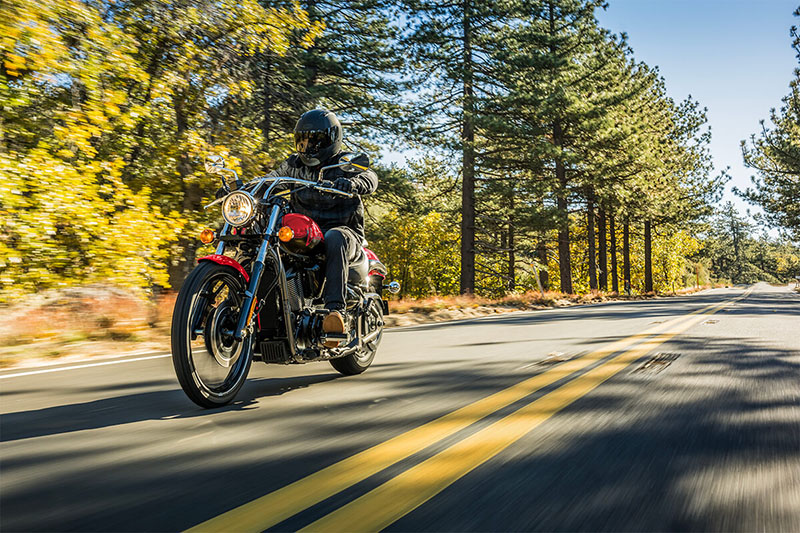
358,362
210,364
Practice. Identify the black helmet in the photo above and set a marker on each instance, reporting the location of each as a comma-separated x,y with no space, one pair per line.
317,136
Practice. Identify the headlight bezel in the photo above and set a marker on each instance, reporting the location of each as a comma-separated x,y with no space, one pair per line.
239,222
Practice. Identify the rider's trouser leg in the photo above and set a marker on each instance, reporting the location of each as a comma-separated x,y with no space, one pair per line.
341,248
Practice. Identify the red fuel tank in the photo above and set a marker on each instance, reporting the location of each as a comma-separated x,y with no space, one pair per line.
306,234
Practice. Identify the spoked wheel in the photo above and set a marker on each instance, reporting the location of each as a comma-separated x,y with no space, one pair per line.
210,364
359,361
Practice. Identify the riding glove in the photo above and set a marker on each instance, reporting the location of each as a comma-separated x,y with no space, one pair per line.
343,184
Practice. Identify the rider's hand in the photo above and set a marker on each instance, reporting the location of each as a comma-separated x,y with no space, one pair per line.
343,184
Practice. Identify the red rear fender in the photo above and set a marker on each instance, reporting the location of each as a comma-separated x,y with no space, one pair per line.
227,261
370,254
376,268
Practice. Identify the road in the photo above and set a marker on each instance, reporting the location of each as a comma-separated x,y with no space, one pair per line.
673,414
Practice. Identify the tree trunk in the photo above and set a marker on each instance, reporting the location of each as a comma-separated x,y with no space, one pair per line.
602,251
626,256
614,270
266,123
468,170
512,277
541,254
648,259
562,204
591,241
192,197
564,260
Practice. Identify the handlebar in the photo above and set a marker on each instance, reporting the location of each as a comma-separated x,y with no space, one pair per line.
296,181
309,183
285,179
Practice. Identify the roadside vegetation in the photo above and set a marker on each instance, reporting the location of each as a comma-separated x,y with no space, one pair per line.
542,158
102,320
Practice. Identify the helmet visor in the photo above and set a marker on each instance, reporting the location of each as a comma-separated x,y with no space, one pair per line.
313,141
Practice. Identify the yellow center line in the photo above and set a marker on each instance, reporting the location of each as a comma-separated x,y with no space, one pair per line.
400,495
277,506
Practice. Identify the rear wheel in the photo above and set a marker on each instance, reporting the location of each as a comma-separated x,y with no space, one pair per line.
359,361
210,364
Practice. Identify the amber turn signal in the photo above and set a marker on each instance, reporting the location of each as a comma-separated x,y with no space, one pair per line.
207,236
285,234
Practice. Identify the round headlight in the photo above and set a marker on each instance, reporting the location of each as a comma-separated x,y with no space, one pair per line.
239,208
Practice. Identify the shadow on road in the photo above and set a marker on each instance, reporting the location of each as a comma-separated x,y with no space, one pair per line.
713,446
126,409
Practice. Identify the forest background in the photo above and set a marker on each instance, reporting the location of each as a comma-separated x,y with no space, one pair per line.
546,157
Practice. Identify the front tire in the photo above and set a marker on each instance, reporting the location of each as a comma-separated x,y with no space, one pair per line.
359,361
212,370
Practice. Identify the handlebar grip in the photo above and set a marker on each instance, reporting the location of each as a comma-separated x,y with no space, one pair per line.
335,191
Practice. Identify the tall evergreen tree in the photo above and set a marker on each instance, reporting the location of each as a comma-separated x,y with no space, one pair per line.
775,155
451,43
558,78
352,67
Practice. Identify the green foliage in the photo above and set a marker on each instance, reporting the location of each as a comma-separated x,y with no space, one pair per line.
105,109
774,154
352,68
196,97
738,255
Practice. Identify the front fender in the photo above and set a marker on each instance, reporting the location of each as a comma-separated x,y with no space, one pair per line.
227,261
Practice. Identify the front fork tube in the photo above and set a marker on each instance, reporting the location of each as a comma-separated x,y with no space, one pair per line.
250,299
221,246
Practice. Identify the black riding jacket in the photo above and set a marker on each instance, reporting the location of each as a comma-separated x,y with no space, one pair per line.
327,210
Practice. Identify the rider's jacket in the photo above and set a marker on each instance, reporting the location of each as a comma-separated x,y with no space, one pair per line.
328,210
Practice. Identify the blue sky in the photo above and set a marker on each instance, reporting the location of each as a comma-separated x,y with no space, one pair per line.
733,56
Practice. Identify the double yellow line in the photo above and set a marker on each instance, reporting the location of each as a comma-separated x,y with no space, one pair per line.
388,502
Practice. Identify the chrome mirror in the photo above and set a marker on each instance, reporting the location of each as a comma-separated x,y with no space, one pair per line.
215,164
348,166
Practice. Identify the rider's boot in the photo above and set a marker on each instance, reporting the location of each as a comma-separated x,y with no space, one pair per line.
333,323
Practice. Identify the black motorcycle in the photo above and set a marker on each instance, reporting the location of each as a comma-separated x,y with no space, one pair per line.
260,295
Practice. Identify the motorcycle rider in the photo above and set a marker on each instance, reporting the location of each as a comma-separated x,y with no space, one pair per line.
318,143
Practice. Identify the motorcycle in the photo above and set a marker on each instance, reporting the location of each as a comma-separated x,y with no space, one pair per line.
259,296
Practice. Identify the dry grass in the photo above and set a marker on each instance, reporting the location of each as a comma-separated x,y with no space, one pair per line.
527,300
61,323
87,312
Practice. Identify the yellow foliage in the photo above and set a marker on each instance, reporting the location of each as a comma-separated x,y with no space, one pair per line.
421,252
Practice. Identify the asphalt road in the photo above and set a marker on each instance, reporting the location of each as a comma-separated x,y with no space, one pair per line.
675,414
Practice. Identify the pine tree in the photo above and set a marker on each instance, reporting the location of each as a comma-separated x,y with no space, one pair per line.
558,76
451,42
775,155
351,67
